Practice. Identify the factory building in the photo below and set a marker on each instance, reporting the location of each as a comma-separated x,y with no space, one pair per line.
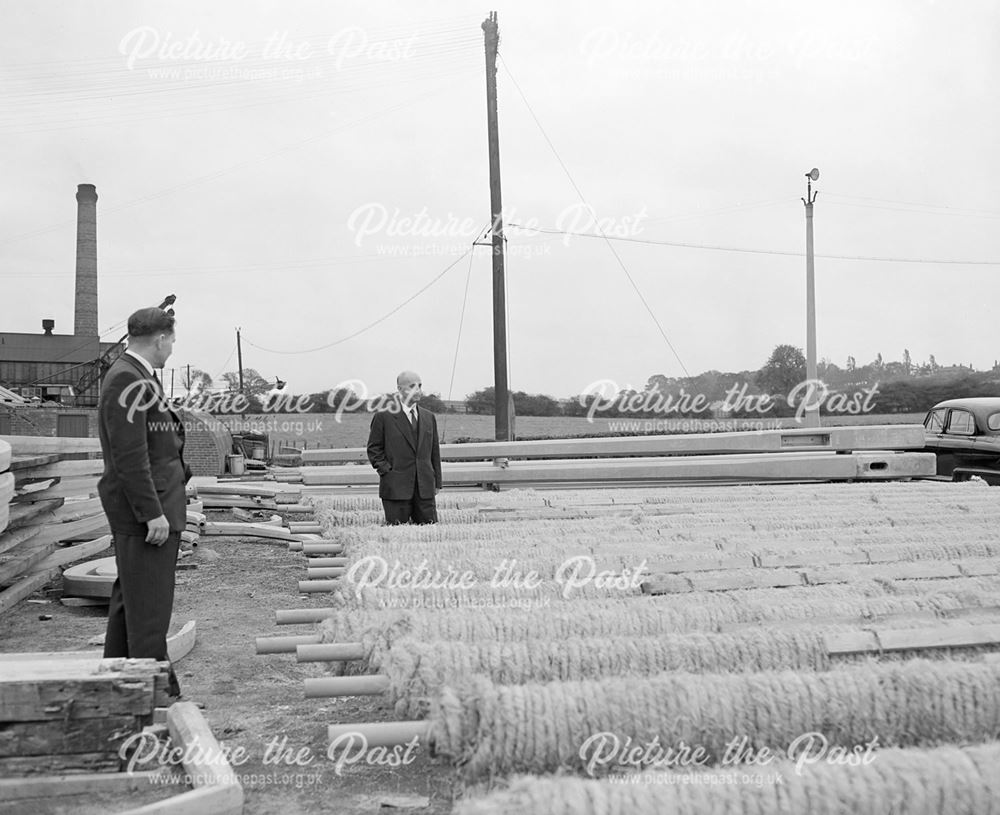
49,367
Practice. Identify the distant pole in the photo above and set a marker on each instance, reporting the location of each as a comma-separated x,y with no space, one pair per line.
500,388
812,414
189,377
172,383
239,358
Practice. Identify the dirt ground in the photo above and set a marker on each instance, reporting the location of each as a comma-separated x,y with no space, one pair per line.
252,701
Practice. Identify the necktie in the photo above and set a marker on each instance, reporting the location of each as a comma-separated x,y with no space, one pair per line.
412,413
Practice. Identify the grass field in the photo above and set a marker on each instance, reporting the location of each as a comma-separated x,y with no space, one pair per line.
317,430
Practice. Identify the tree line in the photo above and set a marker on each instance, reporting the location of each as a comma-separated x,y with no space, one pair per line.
903,386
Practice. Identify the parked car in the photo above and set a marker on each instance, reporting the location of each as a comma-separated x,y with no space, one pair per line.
965,436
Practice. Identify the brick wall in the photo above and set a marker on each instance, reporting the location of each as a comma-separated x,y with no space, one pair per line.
42,421
207,443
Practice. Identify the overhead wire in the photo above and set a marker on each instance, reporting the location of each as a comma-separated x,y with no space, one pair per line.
458,340
77,121
943,209
231,168
457,23
746,250
372,324
590,209
177,77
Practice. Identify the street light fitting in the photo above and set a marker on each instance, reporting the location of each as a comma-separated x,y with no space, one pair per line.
813,174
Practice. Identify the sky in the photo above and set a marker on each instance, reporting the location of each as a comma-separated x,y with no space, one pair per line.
315,174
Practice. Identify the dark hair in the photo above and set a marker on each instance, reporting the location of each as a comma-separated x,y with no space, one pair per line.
148,321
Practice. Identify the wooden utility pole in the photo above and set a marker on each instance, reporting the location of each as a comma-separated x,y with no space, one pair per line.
239,358
500,389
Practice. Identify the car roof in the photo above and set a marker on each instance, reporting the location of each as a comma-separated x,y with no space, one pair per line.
985,404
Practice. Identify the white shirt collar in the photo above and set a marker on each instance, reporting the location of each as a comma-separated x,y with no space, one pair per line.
142,361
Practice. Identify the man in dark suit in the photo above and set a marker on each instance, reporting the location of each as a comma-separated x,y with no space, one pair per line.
403,447
142,490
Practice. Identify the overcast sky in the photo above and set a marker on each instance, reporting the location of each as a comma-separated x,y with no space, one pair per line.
303,169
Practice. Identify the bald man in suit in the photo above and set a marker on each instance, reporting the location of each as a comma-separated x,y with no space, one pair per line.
142,490
404,449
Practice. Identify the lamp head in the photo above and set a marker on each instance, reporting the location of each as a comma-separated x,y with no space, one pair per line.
813,174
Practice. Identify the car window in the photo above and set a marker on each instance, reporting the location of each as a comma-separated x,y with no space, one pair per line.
961,423
934,423
993,422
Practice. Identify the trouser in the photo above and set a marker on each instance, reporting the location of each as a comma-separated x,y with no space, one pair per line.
142,599
415,510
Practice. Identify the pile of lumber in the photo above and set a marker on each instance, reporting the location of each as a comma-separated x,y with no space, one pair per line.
50,515
73,711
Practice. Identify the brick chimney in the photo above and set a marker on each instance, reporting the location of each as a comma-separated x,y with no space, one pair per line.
85,312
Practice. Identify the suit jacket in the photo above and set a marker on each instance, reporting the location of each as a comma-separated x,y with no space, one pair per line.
408,461
144,469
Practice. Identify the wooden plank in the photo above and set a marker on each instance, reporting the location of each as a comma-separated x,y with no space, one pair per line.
27,514
71,554
246,490
104,761
78,509
33,445
873,437
218,800
85,485
16,789
83,529
827,557
75,735
27,489
10,539
917,570
249,530
23,464
957,636
978,568
734,581
850,642
203,757
63,469
707,564
912,639
93,697
909,617
22,560
23,588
